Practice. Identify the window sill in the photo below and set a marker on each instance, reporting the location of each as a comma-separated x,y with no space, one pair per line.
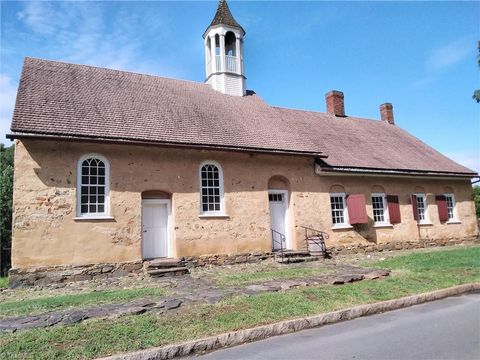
426,223
94,218
383,225
342,227
214,216
453,222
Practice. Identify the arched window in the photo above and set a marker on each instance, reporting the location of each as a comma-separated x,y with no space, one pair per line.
93,172
230,43
211,188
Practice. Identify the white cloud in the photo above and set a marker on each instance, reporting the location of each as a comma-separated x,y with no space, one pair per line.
8,92
90,33
450,54
470,159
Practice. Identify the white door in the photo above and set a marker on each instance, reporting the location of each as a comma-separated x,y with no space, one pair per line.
155,228
278,218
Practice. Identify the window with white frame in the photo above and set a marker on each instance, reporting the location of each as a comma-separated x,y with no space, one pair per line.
380,209
92,186
211,188
450,198
421,207
339,207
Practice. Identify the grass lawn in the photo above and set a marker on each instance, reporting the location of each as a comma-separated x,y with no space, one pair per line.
62,302
414,273
3,282
247,278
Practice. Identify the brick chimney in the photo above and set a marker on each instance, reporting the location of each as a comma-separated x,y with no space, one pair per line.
335,105
386,113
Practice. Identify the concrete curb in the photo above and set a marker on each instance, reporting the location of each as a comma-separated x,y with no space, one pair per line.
284,327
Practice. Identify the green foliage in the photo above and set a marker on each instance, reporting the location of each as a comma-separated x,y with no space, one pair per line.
246,278
62,302
415,273
476,197
6,192
3,282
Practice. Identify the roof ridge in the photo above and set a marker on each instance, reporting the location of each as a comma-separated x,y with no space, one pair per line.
348,117
96,67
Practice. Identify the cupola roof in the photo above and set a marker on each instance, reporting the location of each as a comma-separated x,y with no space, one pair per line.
223,16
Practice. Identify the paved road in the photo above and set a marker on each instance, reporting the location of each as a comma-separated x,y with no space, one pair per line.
444,329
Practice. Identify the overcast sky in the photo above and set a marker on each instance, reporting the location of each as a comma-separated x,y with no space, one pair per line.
421,56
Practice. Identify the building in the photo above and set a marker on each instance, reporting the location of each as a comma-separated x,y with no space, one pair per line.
113,167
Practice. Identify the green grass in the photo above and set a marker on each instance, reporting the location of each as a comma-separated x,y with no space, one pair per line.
62,302
415,273
3,282
246,278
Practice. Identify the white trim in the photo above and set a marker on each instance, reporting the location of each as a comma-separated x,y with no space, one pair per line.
169,222
91,218
389,173
213,216
426,221
346,220
383,225
453,220
106,213
288,244
341,227
386,214
220,212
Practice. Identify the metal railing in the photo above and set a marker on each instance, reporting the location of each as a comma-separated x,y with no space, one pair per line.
278,238
317,237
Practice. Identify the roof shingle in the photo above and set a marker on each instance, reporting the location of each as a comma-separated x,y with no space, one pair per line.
223,16
62,99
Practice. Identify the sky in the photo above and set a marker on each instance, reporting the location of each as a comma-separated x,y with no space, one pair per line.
420,56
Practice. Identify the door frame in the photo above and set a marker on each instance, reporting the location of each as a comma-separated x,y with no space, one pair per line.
287,218
169,222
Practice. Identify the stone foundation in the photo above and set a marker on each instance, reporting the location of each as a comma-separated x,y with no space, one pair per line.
63,274
398,245
224,259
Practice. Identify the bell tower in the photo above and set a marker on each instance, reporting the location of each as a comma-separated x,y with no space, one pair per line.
224,53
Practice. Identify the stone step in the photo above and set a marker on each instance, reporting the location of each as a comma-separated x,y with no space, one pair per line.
293,253
292,260
163,263
174,271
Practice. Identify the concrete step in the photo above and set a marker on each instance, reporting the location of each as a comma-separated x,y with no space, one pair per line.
173,271
292,260
163,263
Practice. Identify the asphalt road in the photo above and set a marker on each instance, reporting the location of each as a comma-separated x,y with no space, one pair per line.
443,329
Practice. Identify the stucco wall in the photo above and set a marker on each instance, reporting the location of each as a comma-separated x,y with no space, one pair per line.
46,233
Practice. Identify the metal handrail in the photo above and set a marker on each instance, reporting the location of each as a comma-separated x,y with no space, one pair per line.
282,239
321,235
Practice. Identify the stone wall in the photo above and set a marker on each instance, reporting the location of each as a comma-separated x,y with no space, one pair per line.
63,274
46,231
46,275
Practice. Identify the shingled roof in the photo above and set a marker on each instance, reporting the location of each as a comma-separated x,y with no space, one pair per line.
223,16
60,100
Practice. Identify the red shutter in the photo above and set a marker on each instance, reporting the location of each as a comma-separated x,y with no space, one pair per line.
441,201
414,207
357,209
393,209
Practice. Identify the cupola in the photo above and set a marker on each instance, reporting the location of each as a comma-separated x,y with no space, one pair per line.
224,53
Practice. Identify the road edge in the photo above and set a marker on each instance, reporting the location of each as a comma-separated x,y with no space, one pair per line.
239,337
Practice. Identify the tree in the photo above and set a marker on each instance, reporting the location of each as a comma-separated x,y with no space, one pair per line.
476,93
476,196
6,193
